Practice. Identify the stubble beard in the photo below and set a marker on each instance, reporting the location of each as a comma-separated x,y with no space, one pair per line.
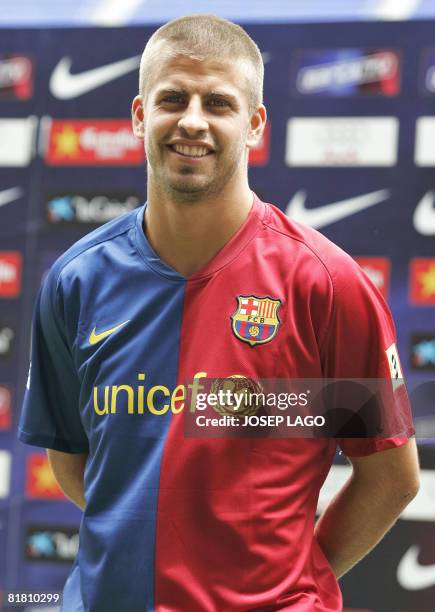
185,191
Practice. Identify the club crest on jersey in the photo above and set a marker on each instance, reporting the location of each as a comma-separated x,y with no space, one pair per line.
256,319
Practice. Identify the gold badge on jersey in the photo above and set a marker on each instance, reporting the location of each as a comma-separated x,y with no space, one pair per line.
256,319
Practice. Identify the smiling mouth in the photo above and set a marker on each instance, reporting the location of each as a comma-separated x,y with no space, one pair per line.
190,151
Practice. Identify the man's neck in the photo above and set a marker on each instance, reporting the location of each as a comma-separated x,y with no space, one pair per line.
187,235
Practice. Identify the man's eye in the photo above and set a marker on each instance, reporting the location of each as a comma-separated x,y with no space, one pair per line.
174,99
218,102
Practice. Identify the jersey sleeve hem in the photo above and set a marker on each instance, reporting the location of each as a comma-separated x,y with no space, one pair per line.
363,447
51,442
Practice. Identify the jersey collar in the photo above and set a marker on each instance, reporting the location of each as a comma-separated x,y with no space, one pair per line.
226,255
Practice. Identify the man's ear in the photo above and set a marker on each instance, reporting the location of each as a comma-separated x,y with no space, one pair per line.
256,128
137,117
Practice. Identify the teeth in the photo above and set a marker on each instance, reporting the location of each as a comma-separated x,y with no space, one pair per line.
191,151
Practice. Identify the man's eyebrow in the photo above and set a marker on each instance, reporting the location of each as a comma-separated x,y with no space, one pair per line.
171,90
182,92
223,94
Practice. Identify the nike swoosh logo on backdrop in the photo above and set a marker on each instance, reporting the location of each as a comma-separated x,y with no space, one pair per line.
9,195
94,338
413,576
424,215
65,86
330,213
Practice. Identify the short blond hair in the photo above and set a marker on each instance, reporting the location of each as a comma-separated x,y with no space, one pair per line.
202,37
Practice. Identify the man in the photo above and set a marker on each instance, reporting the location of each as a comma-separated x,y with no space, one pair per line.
161,296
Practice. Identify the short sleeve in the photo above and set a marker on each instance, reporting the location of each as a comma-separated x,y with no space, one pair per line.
361,343
50,416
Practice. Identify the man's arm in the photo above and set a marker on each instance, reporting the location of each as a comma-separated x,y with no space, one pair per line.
69,470
381,486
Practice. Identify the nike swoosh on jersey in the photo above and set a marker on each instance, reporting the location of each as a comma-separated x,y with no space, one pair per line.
330,213
9,195
424,215
94,338
65,86
413,576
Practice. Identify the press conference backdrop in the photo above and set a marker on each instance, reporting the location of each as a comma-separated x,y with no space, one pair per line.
349,149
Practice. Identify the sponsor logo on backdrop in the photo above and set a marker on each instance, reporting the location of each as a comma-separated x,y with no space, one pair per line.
422,281
97,142
423,351
7,337
88,208
16,77
259,156
424,215
40,608
29,376
425,428
342,141
10,195
378,270
427,72
424,154
17,138
5,407
412,574
320,216
347,72
5,473
65,85
40,480
10,274
51,543
430,80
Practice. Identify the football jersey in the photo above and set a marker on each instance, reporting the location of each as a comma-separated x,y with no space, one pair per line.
177,523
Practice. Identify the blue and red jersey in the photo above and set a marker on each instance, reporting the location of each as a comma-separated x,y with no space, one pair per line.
175,523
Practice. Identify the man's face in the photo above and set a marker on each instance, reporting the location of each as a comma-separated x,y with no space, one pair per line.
196,125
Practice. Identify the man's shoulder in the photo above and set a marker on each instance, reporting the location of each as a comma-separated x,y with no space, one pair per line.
319,259
90,245
310,244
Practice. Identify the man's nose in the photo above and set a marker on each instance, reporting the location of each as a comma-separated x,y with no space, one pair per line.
193,119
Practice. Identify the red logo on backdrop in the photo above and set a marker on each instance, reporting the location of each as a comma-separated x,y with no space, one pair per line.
10,273
16,79
378,270
422,281
5,408
95,142
260,155
40,480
